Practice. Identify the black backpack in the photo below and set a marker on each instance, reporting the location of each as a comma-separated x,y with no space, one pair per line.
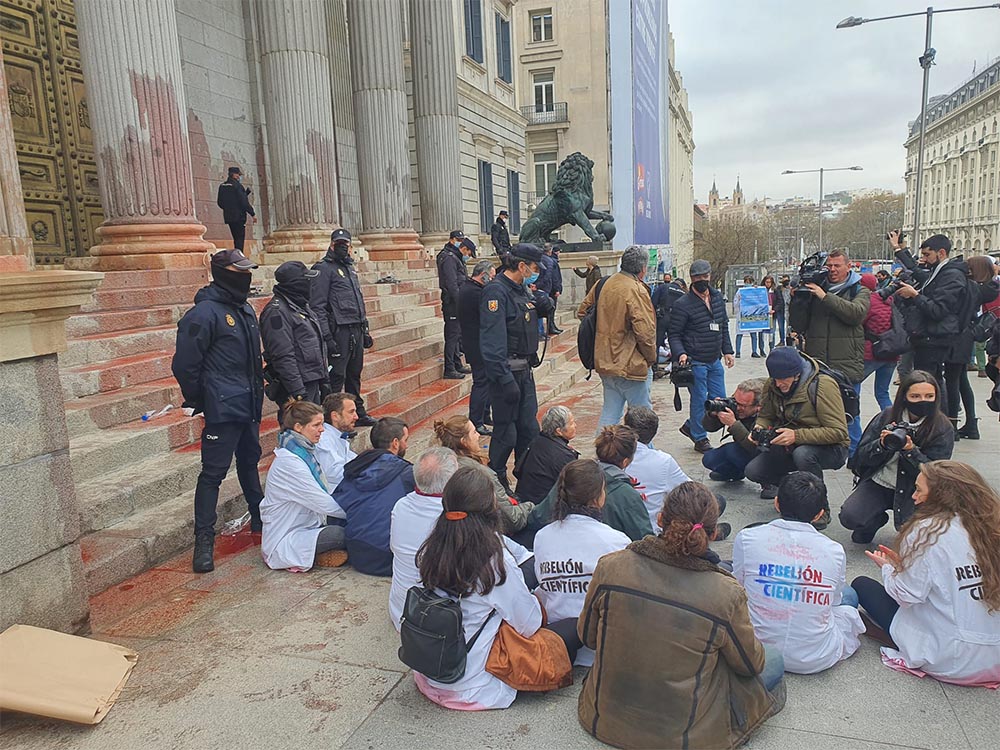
849,397
432,640
586,334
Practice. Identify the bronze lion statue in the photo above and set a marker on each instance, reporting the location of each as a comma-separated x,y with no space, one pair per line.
569,201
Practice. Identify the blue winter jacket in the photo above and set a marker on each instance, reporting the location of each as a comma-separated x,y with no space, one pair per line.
217,358
372,484
691,324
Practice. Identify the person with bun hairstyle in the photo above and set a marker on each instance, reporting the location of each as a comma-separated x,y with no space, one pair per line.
567,550
938,604
676,661
459,433
466,558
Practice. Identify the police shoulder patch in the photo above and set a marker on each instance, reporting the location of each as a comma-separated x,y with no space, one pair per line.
230,320
493,305
340,271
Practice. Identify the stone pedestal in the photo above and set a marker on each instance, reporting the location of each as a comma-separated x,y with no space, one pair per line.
41,570
295,67
377,78
132,65
15,243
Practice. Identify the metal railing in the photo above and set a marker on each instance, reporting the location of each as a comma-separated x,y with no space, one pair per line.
545,115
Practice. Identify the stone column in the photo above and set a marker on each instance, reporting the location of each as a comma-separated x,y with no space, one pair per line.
295,69
376,34
132,64
343,116
435,119
16,253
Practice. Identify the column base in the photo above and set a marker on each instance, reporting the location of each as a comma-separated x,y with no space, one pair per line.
434,241
133,247
400,245
307,244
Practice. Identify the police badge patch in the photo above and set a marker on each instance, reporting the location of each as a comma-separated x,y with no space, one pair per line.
493,305
230,320
340,271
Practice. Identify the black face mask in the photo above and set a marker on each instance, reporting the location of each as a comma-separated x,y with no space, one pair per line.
700,286
235,283
784,283
296,290
920,409
341,251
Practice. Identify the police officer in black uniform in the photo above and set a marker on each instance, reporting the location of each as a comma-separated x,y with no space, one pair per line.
337,301
234,200
451,273
508,342
217,365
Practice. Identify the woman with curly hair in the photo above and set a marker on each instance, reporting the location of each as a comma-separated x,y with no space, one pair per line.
676,661
459,434
939,599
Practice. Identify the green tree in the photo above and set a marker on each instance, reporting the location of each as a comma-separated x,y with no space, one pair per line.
861,227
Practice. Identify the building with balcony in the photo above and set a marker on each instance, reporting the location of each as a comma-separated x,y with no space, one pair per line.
565,93
961,185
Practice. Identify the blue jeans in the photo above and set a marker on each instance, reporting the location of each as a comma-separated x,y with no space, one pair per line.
779,318
619,391
883,379
709,382
756,338
854,427
774,668
729,459
849,597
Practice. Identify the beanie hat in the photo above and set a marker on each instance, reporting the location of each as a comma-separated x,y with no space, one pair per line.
869,281
784,362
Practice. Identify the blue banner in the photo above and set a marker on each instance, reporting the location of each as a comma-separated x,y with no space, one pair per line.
650,95
752,309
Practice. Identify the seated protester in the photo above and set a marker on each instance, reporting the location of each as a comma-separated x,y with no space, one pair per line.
297,502
676,660
796,581
728,462
655,471
460,435
886,466
333,451
373,483
623,509
567,550
465,558
546,456
809,420
939,598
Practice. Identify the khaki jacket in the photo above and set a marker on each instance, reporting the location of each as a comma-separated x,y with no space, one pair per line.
626,327
676,662
823,424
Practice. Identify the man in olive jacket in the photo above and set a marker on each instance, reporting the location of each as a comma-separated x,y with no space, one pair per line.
806,409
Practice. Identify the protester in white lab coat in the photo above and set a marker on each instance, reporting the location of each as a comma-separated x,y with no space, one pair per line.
297,501
465,557
333,450
939,598
567,550
795,579
657,472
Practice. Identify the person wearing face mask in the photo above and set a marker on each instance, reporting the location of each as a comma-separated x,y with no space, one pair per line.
294,349
451,274
508,344
218,367
340,308
886,474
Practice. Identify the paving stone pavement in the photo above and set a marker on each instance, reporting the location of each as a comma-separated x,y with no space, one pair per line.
246,657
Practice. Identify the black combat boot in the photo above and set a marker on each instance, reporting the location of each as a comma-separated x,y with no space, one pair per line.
204,553
970,431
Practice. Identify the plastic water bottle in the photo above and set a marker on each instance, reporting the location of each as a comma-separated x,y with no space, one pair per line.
231,528
154,414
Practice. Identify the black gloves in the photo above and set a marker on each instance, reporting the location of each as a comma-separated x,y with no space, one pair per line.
511,393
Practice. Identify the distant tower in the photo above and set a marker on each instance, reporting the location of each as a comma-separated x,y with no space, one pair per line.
713,197
738,194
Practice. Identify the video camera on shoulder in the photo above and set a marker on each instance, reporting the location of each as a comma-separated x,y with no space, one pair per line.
813,270
905,277
719,405
898,432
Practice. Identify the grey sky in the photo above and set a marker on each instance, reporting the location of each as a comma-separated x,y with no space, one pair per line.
773,85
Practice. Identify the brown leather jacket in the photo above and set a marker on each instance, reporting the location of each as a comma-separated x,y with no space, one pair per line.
626,327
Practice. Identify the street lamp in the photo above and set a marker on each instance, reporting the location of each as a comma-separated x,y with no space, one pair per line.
885,213
821,170
925,60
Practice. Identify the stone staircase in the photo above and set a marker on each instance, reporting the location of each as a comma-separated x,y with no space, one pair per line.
135,480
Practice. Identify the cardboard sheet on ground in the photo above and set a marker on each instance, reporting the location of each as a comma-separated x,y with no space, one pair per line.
61,676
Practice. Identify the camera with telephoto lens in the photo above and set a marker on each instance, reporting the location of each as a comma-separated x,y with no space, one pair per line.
813,270
719,405
898,432
763,436
905,277
900,238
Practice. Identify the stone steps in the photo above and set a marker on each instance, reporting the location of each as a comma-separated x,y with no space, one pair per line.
131,298
103,410
105,347
113,321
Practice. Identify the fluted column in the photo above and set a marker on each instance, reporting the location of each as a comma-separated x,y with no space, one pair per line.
295,68
375,34
16,253
435,118
132,66
343,115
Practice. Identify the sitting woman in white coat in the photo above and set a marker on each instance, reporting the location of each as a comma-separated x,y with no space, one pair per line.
567,550
297,500
465,558
939,599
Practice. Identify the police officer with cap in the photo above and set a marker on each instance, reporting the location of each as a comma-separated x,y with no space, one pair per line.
337,301
508,341
217,365
294,347
451,273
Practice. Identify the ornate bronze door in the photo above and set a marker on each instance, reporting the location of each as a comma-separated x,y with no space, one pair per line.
48,105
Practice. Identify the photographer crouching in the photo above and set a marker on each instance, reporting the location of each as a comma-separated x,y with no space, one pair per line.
896,442
736,414
801,425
